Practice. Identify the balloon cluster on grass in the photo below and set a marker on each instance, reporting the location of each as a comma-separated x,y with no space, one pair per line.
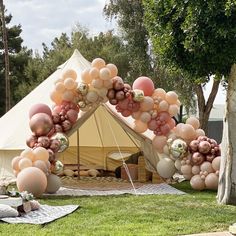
191,153
150,108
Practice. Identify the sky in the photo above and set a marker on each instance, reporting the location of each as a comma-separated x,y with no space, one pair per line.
43,20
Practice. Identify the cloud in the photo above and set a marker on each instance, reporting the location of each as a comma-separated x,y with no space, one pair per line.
43,20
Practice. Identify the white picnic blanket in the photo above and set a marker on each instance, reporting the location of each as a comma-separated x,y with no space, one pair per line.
43,215
143,190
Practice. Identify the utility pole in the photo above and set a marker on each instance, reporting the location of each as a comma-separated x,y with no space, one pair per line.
6,57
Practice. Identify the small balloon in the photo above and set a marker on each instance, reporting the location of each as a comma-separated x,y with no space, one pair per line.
62,139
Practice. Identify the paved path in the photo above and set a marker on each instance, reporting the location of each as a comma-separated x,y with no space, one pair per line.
225,233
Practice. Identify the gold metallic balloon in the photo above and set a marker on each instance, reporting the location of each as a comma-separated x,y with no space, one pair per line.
138,95
63,140
178,148
82,88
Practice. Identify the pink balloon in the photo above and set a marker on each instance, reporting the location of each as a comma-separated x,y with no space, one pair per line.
159,142
163,105
31,141
24,163
126,113
171,123
145,84
40,108
15,163
165,129
152,125
206,166
41,124
200,132
216,163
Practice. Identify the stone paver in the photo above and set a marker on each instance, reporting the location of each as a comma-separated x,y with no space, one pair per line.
225,233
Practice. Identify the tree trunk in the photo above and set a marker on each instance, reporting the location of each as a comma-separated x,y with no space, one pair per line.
6,58
204,107
227,177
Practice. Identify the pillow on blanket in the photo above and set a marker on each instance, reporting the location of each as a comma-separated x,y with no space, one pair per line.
7,211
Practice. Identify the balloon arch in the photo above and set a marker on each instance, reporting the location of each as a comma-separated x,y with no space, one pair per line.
183,148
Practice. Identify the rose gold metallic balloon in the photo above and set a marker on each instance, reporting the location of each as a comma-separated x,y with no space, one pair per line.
41,124
31,141
40,108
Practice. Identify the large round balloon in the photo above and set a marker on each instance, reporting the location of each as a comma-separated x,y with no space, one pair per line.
54,183
197,182
145,84
40,108
32,180
41,124
211,181
166,168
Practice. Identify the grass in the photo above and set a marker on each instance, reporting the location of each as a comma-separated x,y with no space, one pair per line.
126,215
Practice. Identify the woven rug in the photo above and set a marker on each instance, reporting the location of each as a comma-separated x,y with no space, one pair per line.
44,215
143,190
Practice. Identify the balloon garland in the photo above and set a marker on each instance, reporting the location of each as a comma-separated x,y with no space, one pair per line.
183,148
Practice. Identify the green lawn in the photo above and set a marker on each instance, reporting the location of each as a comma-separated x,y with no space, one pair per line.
162,215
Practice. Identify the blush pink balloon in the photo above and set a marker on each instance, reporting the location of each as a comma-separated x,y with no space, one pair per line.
40,108
32,180
147,104
145,84
159,142
197,182
194,122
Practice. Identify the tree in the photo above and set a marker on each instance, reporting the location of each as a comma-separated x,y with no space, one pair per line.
129,16
18,59
199,37
6,57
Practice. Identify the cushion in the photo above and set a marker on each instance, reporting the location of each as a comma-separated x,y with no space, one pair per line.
7,211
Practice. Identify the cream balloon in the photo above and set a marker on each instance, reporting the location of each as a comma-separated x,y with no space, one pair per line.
173,110
70,74
211,181
94,73
85,76
163,105
147,104
194,122
196,170
105,74
60,87
28,153
197,182
216,163
68,96
24,163
159,92
70,84
140,126
206,166
97,83
200,132
92,96
15,163
98,63
41,165
113,69
171,97
53,183
166,168
41,154
145,117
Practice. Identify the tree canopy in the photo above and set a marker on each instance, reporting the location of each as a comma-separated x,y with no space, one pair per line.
196,36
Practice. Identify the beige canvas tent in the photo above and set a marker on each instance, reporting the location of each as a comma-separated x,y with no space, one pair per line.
98,137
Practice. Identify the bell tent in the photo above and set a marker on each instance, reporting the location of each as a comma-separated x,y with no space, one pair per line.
100,137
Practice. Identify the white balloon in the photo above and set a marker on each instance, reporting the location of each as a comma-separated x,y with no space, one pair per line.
166,168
